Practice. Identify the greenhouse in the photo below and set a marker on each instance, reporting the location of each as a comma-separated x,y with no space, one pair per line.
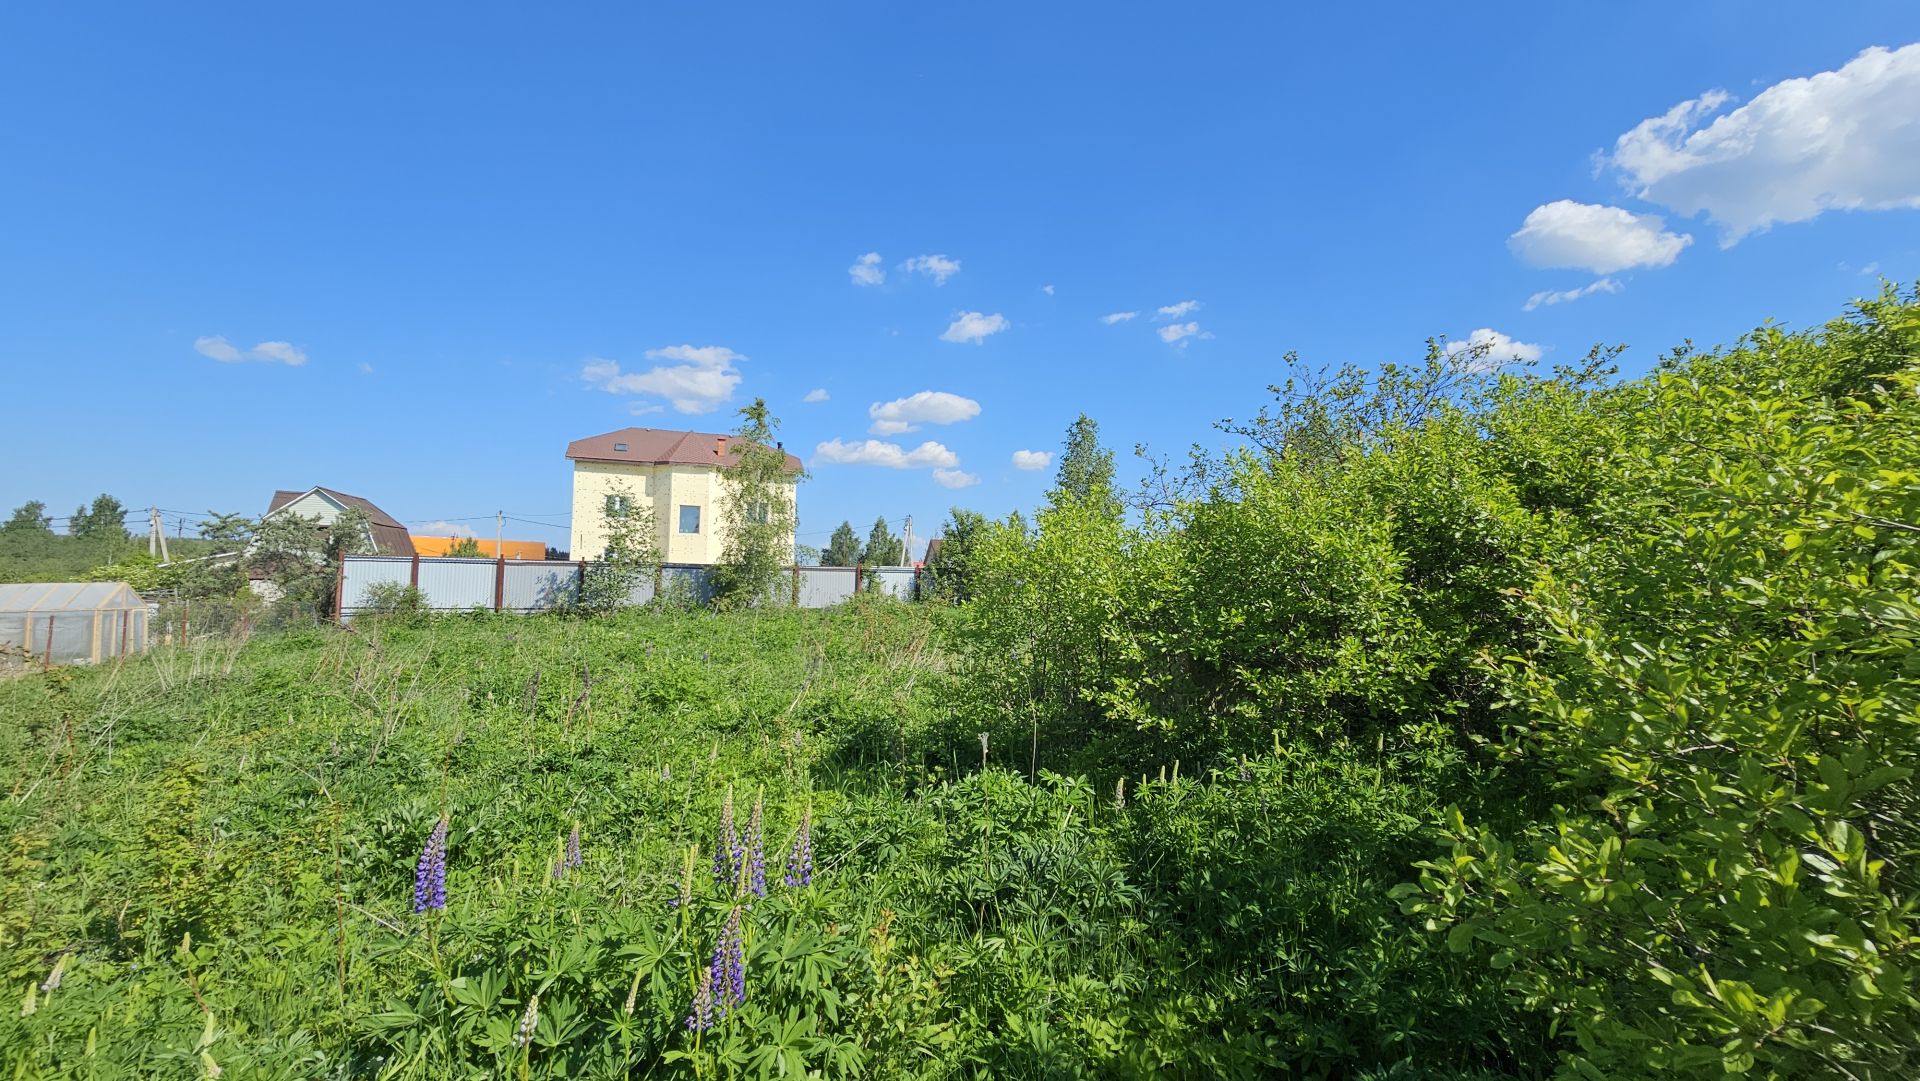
70,622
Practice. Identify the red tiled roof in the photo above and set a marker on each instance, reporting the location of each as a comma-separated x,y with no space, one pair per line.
657,446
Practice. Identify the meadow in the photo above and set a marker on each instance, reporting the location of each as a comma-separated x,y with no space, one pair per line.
1466,725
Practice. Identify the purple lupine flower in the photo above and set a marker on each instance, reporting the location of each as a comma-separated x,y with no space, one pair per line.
756,876
430,876
736,986
574,858
800,859
726,848
701,1018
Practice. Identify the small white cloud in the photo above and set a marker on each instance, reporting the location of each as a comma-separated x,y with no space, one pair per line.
1178,333
926,407
1870,269
1838,140
866,270
974,327
1047,289
445,529
1175,311
817,394
928,455
937,267
702,381
1589,236
954,478
1563,296
1489,349
365,368
1117,317
219,348
1031,460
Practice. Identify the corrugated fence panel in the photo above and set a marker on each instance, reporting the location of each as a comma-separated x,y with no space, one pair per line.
364,572
532,587
896,581
686,581
456,585
824,587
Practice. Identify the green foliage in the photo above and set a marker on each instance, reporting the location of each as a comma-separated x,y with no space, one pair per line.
1086,469
29,517
883,547
950,566
843,548
105,520
1724,690
632,554
465,547
759,514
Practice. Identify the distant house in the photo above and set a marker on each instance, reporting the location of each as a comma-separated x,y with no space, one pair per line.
439,546
387,536
672,476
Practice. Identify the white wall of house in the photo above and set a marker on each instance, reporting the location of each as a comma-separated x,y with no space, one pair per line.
660,491
315,505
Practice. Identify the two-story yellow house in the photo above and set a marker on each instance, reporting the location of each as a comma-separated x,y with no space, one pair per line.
674,477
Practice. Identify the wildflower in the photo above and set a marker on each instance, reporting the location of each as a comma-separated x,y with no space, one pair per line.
430,877
701,1019
726,848
755,878
729,969
528,1022
633,992
573,848
1120,794
800,859
52,982
1245,773
686,880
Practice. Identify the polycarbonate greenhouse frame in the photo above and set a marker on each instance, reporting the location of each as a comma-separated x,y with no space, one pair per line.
71,622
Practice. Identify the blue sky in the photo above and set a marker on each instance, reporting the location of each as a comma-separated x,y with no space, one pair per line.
410,251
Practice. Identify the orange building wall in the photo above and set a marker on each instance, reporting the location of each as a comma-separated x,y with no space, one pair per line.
438,546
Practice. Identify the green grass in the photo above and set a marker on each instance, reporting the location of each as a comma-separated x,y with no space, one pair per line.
216,847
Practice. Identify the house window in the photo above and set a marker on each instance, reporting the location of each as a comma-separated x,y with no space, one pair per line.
618,506
689,519
757,513
620,448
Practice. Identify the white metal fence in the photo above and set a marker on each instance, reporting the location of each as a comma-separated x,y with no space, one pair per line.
455,584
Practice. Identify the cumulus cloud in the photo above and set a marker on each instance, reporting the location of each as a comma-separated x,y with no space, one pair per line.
926,407
1562,296
702,379
974,327
937,267
217,347
1175,311
928,455
1838,140
817,394
1487,349
1589,236
866,270
1178,333
1117,317
1047,289
445,529
1032,459
954,478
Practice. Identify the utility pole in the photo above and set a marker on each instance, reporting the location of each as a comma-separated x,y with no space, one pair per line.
906,543
499,533
157,536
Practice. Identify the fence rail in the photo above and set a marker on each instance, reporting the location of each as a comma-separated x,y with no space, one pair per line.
456,584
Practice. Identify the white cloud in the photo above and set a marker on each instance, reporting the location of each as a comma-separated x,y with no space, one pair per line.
701,382
974,327
817,394
1032,459
1838,140
1562,296
445,529
1117,317
928,455
1870,269
1589,236
866,270
365,368
1489,349
219,348
1047,289
954,478
1177,333
926,407
938,267
1175,311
